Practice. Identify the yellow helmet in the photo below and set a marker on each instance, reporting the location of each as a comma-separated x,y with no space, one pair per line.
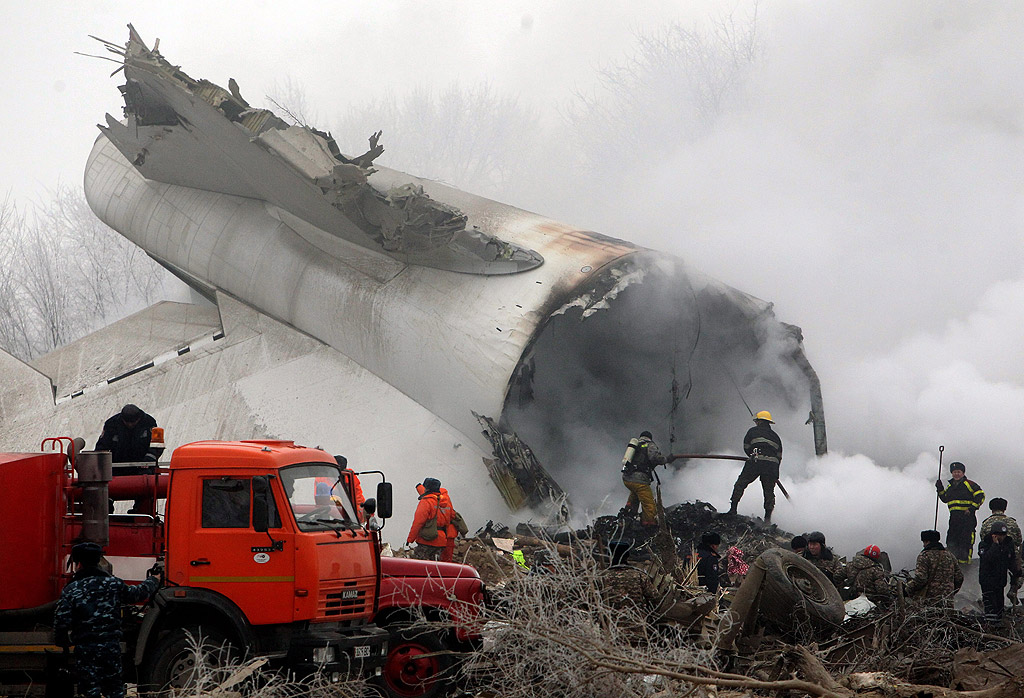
765,415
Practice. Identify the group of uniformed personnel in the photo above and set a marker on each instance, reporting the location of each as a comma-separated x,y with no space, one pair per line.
937,575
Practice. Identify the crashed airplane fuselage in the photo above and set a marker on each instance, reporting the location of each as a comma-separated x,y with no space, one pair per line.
545,345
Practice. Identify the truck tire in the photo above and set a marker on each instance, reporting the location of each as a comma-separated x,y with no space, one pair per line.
417,666
171,664
794,591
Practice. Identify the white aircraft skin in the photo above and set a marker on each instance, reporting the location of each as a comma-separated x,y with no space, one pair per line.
399,350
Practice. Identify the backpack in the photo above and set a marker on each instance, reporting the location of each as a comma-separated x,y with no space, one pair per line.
429,530
459,523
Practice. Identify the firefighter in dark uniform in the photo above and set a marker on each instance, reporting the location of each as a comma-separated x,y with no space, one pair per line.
88,616
128,436
963,497
764,455
642,457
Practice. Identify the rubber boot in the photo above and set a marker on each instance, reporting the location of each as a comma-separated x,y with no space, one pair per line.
732,509
767,516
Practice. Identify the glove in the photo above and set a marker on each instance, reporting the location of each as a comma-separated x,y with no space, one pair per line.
157,571
938,486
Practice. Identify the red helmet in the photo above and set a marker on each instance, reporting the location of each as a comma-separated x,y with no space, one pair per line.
873,551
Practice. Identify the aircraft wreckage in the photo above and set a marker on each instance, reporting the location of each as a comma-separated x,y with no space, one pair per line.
442,333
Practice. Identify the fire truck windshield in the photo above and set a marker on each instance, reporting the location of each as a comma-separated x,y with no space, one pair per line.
317,497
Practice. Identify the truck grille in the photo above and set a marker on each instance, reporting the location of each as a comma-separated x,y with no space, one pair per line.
344,600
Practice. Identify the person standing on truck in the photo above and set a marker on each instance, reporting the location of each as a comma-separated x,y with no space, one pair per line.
88,616
937,577
998,557
128,436
998,507
430,522
764,456
963,497
642,457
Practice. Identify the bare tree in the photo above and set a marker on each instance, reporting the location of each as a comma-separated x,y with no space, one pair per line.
474,138
672,89
15,333
289,101
64,273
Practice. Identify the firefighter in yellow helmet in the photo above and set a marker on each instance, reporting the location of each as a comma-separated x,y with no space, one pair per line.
764,455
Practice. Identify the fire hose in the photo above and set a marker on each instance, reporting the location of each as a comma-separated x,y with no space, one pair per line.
717,456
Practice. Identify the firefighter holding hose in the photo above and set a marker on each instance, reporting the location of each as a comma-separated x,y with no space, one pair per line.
764,455
638,464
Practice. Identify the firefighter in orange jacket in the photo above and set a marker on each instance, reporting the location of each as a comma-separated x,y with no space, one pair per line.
430,523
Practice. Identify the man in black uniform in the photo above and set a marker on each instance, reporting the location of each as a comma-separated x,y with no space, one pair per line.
963,497
88,616
764,455
127,436
998,556
707,561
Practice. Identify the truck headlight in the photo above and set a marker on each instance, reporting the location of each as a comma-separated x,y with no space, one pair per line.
323,655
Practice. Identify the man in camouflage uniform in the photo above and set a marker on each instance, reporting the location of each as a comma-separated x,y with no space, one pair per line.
937,577
88,616
963,497
865,575
998,507
823,558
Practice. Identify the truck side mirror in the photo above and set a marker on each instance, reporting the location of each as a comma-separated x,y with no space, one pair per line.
261,503
384,509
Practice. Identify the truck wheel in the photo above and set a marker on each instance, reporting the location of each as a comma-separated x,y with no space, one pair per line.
794,590
417,665
175,664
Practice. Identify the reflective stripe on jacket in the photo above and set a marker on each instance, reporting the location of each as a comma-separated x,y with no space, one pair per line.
965,495
765,441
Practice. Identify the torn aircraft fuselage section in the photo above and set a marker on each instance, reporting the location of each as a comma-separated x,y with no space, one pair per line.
194,133
565,361
649,344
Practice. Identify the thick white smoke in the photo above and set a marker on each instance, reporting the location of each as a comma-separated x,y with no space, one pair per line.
868,183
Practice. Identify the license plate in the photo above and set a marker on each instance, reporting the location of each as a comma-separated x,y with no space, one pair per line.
350,594
362,652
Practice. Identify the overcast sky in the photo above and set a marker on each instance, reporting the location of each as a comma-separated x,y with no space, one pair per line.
869,182
341,52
